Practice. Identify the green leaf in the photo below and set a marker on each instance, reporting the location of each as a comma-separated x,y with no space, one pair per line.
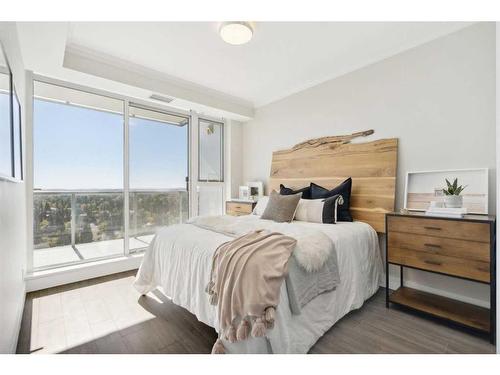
448,183
460,189
455,184
445,192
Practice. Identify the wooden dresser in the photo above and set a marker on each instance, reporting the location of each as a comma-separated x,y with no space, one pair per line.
238,208
461,248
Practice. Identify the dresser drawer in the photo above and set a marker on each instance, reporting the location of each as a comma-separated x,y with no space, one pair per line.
464,249
464,230
471,269
235,213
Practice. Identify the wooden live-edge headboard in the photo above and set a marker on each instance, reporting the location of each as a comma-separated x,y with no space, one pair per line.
328,161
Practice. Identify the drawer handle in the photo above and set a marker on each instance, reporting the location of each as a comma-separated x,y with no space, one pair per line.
433,228
432,245
433,262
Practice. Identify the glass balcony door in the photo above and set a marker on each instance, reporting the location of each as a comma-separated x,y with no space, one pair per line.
78,176
158,170
96,157
210,189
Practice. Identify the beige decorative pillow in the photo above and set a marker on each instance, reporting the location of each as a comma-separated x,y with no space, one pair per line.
261,205
281,208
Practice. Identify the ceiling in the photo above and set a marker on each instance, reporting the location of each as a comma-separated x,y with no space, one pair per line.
281,59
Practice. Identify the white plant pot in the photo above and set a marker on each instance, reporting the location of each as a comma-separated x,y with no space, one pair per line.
453,201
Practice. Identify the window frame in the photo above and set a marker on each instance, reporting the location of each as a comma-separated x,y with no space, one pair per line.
7,71
222,160
12,177
127,101
165,110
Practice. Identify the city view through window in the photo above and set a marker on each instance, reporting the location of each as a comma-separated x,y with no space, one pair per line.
79,176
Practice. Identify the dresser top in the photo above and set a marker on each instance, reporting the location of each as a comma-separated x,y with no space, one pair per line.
470,217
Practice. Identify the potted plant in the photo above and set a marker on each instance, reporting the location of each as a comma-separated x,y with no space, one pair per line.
452,192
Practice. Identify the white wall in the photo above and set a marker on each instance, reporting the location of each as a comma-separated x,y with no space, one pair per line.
13,227
438,99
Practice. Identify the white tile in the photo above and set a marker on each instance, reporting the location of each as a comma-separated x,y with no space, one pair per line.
97,311
51,337
50,308
77,330
103,328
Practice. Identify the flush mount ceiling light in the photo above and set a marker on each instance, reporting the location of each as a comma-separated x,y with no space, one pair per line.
236,32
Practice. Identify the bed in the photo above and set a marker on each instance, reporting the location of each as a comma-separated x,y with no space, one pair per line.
179,258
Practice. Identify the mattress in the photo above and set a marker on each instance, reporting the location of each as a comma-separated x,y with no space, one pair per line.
178,262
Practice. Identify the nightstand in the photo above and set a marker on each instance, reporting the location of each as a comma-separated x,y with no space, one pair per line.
461,248
238,208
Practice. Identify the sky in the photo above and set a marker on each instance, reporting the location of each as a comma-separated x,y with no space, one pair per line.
78,148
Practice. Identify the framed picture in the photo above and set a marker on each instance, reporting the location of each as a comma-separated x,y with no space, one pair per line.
424,187
244,193
256,190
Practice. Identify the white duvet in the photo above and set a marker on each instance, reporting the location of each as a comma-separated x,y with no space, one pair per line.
179,260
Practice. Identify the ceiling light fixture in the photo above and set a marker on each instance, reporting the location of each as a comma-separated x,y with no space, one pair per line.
236,33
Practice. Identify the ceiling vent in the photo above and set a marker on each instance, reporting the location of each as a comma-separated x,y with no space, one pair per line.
160,98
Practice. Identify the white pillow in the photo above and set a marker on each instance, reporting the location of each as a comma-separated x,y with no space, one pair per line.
261,205
310,210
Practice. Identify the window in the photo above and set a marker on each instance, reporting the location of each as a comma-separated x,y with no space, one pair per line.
158,172
5,126
210,140
210,186
94,157
10,125
6,157
78,176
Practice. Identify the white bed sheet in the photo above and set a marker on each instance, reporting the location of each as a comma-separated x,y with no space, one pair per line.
179,262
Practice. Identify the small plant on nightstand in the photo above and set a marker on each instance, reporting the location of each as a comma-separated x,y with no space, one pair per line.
452,194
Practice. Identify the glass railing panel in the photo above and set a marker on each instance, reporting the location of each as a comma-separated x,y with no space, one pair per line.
52,230
151,210
99,229
79,226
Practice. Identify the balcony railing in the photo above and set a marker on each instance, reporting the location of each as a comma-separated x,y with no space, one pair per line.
75,219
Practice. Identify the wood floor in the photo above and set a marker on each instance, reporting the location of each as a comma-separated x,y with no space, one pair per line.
106,315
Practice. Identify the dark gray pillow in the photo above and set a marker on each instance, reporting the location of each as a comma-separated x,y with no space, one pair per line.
281,208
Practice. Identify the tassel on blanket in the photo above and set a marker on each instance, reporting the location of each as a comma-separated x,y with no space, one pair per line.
218,347
213,299
270,314
209,287
231,334
243,330
259,328
269,317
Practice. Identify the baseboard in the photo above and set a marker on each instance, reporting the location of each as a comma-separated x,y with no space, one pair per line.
66,275
394,284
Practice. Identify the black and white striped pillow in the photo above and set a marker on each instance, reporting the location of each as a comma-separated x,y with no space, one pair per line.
319,210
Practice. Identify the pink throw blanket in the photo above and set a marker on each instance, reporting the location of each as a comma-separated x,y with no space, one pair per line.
245,283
